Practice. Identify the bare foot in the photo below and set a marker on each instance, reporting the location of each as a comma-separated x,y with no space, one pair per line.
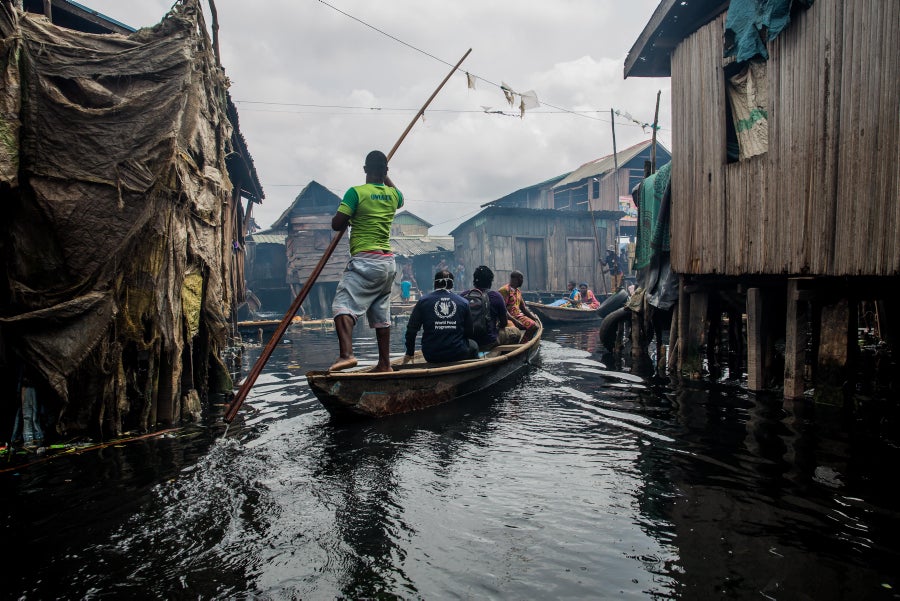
382,368
343,363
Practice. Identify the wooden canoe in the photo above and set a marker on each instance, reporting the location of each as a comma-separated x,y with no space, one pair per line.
563,314
402,307
268,326
359,393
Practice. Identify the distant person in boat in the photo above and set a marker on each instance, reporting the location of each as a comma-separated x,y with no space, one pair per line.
368,278
405,290
588,300
499,329
572,300
446,324
515,307
409,276
612,266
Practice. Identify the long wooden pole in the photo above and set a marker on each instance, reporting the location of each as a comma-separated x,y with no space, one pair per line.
307,286
612,116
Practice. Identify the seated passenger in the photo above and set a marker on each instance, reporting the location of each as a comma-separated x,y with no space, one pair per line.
446,323
588,300
516,310
572,300
495,320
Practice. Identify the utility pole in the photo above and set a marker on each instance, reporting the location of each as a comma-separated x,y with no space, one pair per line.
612,116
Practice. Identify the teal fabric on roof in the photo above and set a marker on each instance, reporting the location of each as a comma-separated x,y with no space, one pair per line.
752,23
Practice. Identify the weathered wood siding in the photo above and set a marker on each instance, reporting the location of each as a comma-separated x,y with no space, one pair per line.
825,198
306,243
509,241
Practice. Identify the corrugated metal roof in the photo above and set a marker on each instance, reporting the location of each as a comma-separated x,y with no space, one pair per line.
413,246
495,211
406,218
267,239
604,164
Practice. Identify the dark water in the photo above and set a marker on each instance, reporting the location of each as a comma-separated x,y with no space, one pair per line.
574,482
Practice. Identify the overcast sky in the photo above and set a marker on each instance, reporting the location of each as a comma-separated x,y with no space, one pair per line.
317,87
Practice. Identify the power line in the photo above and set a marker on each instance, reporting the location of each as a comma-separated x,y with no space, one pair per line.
440,60
383,111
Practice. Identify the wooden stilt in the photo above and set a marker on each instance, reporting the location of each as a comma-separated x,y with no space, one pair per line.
756,376
672,352
795,341
694,336
834,352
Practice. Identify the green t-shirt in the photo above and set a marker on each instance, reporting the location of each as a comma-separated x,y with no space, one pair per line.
371,209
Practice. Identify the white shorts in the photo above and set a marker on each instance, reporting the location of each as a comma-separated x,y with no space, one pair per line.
365,288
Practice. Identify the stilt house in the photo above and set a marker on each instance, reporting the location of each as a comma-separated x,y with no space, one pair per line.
557,230
781,203
414,246
307,223
122,174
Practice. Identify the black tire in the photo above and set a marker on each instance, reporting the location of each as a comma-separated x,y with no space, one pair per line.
610,325
612,303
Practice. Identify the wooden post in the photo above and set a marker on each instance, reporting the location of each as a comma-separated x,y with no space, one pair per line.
795,341
615,175
323,301
673,359
694,336
834,352
756,376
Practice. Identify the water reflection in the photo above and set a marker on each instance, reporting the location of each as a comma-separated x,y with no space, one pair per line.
574,481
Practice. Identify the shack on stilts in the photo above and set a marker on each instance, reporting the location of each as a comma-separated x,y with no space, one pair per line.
785,188
121,177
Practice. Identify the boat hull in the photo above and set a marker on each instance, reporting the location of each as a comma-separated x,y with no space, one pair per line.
564,314
364,394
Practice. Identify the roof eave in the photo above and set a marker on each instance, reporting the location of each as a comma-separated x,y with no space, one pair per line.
671,22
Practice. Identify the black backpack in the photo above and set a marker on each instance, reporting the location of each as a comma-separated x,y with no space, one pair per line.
480,308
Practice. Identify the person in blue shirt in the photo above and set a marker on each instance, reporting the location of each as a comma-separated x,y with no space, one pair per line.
446,324
572,300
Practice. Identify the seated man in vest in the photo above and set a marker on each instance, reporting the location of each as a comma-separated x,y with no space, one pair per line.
446,324
496,328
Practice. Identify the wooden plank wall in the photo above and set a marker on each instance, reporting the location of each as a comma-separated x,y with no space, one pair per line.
698,141
493,243
825,198
303,254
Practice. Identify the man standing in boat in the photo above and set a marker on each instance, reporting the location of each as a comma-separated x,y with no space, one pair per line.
365,286
446,323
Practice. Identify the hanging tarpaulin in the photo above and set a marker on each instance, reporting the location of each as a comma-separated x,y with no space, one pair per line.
653,221
748,93
115,189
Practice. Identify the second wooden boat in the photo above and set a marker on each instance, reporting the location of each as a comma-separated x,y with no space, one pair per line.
553,314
